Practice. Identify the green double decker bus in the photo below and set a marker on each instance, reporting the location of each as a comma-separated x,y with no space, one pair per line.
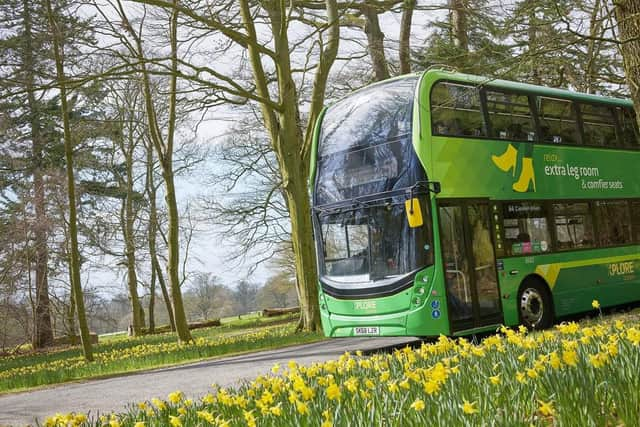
446,203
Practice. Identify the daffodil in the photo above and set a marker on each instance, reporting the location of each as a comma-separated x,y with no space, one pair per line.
570,357
554,360
333,392
469,407
249,418
595,304
418,405
431,387
546,408
175,397
207,416
302,407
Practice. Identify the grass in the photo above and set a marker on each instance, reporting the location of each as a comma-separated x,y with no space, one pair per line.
121,354
575,374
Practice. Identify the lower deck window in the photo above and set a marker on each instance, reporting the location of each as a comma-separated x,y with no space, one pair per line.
525,228
574,226
539,227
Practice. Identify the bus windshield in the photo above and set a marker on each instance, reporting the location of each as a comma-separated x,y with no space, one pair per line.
371,246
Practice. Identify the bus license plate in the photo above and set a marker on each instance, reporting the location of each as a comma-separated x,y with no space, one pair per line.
366,330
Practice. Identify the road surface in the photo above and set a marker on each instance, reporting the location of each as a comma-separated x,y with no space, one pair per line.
113,394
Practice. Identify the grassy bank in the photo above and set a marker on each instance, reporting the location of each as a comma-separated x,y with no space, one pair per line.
120,354
575,374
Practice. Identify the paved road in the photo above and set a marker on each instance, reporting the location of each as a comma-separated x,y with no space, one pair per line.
113,394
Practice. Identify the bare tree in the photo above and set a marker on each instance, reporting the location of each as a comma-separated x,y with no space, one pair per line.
205,288
74,262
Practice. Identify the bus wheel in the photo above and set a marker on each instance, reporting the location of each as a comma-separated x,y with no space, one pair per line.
535,305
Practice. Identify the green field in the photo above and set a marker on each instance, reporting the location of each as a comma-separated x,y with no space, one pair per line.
118,354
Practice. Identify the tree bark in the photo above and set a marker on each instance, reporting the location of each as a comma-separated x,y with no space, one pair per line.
593,50
627,13
156,271
128,219
42,330
534,45
163,287
375,36
151,240
71,320
459,25
179,316
74,261
405,37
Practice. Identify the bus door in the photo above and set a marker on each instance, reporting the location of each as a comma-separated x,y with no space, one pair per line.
469,264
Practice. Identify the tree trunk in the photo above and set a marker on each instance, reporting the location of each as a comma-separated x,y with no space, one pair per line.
588,81
459,25
151,236
375,36
179,316
132,279
534,45
305,256
156,271
627,14
295,175
74,261
42,331
130,244
405,36
152,301
71,320
165,292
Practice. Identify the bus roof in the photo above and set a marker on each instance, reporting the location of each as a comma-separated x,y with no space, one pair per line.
433,75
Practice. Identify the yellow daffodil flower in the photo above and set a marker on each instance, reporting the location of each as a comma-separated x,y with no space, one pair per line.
418,405
546,408
469,407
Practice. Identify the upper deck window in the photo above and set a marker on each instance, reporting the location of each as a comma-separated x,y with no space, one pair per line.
455,110
365,143
558,121
510,116
598,124
629,127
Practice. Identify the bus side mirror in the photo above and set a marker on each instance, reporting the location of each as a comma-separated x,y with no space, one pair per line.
414,212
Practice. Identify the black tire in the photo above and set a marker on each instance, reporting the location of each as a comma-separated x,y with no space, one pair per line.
535,305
